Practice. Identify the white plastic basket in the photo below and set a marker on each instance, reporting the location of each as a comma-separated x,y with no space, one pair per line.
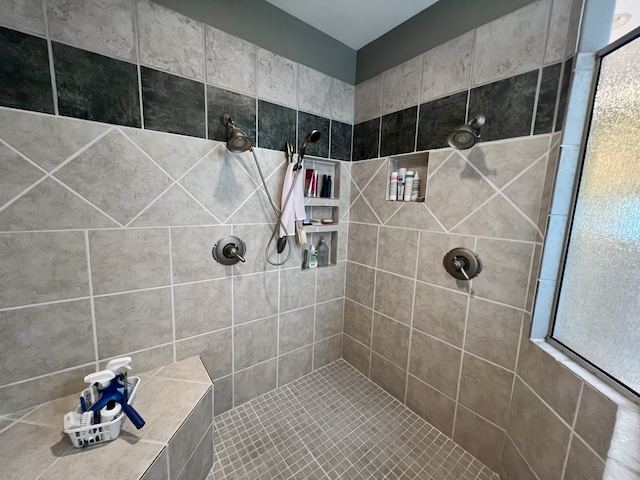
101,432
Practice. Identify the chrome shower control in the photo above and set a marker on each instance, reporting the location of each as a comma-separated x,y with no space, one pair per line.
462,264
229,250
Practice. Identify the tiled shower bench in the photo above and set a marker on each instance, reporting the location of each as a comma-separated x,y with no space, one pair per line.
176,402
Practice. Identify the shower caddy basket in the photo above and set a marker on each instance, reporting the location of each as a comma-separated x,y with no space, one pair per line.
102,432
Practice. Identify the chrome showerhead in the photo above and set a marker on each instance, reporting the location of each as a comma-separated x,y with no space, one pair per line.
312,137
467,135
237,140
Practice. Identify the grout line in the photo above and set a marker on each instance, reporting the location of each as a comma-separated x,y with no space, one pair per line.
411,318
373,303
94,324
173,302
52,69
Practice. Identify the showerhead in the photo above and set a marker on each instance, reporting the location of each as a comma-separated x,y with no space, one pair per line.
467,135
237,140
312,137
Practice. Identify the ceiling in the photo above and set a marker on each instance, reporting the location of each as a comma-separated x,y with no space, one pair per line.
353,22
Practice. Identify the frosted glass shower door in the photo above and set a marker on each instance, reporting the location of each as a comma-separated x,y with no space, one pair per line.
598,312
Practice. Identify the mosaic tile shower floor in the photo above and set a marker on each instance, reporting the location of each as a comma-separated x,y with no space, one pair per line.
335,424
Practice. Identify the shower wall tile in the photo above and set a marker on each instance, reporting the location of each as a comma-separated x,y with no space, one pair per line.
202,307
187,245
308,122
401,261
485,389
356,354
24,15
255,296
129,259
512,44
401,86
513,466
327,351
394,296
255,342
16,174
58,137
359,281
547,98
25,80
277,79
52,337
296,329
398,132
331,281
358,321
550,435
276,125
435,363
329,319
432,248
115,176
565,83
479,437
440,312
145,316
170,41
215,350
562,29
27,274
231,61
100,26
254,381
255,237
222,395
366,137
241,108
507,106
368,100
297,288
492,332
442,76
95,87
172,104
439,118
342,99
314,91
391,340
582,463
294,365
366,237
341,135
596,420
430,404
507,282
388,376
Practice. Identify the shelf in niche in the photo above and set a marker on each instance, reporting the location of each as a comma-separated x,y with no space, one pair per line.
334,227
322,202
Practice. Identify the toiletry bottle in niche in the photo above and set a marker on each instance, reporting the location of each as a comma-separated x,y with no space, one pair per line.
401,174
415,188
323,253
313,257
393,187
408,186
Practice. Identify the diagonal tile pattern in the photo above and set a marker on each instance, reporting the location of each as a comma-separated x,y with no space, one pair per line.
335,424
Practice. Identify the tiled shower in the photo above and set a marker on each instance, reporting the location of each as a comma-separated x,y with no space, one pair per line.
115,188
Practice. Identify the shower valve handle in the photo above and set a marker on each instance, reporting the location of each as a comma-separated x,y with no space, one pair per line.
232,251
229,250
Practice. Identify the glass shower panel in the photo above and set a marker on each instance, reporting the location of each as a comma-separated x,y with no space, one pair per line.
598,314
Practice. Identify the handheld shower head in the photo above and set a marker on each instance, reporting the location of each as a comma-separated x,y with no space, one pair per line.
467,135
312,137
237,140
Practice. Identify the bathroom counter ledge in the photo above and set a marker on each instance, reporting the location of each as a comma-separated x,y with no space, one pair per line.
176,442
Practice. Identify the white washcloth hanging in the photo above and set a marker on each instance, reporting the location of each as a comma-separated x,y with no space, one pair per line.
295,207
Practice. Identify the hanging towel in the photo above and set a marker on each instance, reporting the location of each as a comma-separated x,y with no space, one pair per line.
295,207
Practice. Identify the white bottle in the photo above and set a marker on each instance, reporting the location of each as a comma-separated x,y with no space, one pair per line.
408,186
415,188
393,187
401,173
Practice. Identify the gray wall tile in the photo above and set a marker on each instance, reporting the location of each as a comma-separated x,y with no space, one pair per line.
296,329
254,381
214,350
389,376
394,296
202,307
391,340
358,321
440,312
255,342
255,296
356,354
129,259
435,362
430,404
133,321
29,276
231,61
329,318
25,15
327,351
294,365
191,253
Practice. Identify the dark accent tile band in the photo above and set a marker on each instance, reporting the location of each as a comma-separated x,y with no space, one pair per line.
439,118
341,134
399,132
276,125
308,122
365,139
547,98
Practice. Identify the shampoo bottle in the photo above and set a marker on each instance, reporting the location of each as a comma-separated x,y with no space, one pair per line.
393,187
415,188
323,253
408,186
313,257
401,174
